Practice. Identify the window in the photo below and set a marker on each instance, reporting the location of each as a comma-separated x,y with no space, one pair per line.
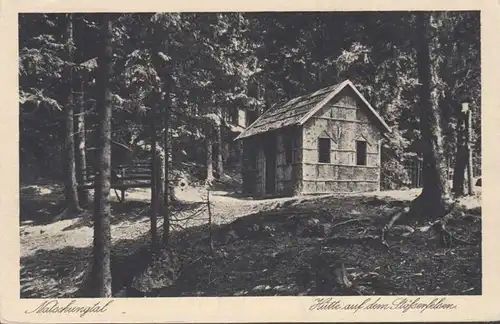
360,152
324,147
251,116
242,118
234,116
231,116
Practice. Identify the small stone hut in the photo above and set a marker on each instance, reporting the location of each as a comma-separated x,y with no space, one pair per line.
322,142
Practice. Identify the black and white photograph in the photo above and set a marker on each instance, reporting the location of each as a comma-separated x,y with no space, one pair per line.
238,154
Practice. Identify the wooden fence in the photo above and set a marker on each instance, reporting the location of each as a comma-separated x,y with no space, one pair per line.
413,167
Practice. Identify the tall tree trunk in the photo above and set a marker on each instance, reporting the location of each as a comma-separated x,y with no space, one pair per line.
154,185
102,208
460,160
81,158
160,45
219,165
470,171
166,187
161,178
71,186
209,144
435,197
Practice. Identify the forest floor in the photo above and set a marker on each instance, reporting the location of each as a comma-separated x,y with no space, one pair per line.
261,247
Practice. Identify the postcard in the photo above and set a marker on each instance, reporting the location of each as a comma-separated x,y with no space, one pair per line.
249,162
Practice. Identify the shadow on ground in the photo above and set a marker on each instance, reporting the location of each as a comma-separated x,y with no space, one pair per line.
60,273
39,204
276,253
127,211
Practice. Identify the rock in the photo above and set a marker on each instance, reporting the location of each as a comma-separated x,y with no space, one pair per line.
419,274
424,228
269,229
312,228
277,254
260,288
354,212
221,254
371,275
253,228
403,230
313,222
44,191
283,288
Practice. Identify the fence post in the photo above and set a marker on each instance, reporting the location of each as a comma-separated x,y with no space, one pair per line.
210,238
120,180
470,175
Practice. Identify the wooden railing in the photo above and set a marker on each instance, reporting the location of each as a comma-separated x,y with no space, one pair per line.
137,174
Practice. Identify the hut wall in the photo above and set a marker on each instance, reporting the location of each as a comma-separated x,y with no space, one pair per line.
253,167
283,169
288,173
247,168
260,181
344,120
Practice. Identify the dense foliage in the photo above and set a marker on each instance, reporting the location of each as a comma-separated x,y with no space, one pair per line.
198,64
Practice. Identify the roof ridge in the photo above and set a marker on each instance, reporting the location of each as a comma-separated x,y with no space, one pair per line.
312,94
298,110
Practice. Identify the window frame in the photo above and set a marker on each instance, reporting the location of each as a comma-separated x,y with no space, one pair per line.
365,156
324,154
251,116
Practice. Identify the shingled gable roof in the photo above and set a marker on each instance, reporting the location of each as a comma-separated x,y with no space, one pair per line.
298,111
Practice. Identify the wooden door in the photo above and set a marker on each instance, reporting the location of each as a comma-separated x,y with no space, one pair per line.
270,160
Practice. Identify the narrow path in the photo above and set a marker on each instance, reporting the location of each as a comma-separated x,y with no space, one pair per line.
226,208
66,233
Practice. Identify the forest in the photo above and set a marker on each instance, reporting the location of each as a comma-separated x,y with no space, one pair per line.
99,91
